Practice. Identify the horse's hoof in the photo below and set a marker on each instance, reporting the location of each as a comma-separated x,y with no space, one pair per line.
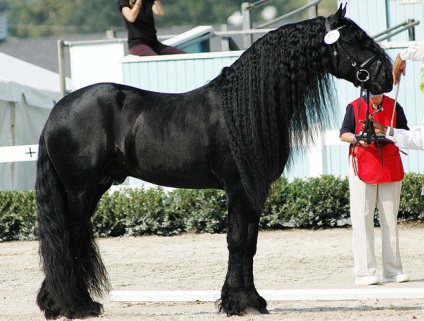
263,311
91,310
51,315
219,307
255,311
251,311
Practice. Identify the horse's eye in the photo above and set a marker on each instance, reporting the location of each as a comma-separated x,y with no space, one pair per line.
346,35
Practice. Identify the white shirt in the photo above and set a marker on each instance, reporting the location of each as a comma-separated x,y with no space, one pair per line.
409,139
415,52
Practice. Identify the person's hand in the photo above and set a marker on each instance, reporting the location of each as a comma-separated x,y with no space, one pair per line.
363,143
399,67
379,128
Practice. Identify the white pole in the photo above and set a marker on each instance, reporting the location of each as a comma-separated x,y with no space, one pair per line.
272,295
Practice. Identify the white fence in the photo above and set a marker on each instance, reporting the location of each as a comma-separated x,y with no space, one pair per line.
21,153
18,167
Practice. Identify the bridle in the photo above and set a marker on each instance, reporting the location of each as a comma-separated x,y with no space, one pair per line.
362,74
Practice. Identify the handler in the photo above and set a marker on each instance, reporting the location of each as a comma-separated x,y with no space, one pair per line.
375,176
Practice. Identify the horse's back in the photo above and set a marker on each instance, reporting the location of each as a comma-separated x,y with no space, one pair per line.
95,100
100,111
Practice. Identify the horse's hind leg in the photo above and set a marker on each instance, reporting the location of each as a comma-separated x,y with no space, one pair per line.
239,294
77,272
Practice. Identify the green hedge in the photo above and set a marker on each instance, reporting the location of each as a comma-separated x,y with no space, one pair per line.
17,216
305,203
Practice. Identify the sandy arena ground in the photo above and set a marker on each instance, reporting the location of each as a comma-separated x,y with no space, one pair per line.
289,259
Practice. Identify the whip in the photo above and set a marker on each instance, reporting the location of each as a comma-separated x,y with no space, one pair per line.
394,107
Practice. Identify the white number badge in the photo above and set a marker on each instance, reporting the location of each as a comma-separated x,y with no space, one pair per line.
331,37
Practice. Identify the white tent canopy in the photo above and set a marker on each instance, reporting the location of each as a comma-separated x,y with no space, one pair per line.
27,94
20,80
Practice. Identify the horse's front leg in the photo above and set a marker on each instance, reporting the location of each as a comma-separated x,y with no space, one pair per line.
252,240
239,295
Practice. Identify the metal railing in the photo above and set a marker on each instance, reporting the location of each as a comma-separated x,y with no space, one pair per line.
408,25
247,7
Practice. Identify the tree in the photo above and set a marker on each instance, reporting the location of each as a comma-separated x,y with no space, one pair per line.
34,18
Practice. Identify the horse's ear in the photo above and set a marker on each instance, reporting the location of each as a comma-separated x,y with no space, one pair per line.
343,10
334,19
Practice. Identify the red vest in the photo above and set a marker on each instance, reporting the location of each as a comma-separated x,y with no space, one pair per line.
376,165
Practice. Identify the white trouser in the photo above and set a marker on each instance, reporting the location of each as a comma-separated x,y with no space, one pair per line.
363,198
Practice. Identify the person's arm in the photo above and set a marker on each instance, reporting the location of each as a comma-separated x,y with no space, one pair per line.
158,8
409,139
348,138
414,52
348,126
347,131
130,14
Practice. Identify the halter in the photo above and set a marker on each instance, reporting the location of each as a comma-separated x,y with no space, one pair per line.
362,74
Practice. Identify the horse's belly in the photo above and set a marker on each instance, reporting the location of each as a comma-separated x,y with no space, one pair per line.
175,169
179,180
178,153
189,183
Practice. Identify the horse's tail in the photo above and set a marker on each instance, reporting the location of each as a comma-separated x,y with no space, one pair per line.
71,262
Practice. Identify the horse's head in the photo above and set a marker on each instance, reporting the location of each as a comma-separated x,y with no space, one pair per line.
356,57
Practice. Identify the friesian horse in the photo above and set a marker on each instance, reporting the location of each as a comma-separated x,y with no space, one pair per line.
234,133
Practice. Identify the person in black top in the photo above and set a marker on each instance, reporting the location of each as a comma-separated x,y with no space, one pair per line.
140,24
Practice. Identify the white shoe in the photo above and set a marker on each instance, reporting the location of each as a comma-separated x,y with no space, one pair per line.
367,280
398,278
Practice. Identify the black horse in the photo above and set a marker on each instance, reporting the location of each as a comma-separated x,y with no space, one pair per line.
235,134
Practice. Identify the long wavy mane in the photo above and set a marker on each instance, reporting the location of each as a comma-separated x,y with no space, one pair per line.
275,97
